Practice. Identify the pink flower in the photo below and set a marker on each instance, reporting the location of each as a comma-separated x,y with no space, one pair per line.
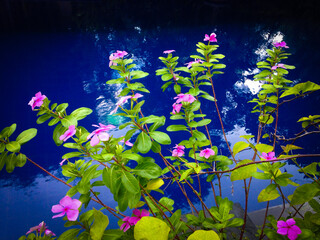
127,143
126,225
61,163
37,101
268,156
121,54
212,37
176,108
68,206
99,134
40,229
123,100
281,65
189,64
181,97
114,56
133,220
178,151
207,153
288,228
168,51
280,44
68,134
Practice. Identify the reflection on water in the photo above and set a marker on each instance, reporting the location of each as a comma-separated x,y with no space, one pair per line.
85,60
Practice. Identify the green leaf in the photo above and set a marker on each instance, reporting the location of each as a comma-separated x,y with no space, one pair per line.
151,228
11,162
71,155
204,122
243,172
69,234
147,170
310,169
21,160
263,74
156,148
154,184
174,128
111,179
3,157
100,223
269,193
26,135
43,118
204,235
61,107
161,137
208,97
7,132
264,148
13,146
305,193
57,132
68,121
143,143
300,89
185,174
239,146
81,113
130,182
112,234
53,121
247,136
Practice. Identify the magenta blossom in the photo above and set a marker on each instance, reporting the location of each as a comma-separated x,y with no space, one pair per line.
40,229
99,134
114,56
138,215
268,156
184,98
126,225
123,100
178,151
127,143
207,153
68,134
288,228
37,101
280,44
279,65
189,64
168,51
176,108
212,37
68,206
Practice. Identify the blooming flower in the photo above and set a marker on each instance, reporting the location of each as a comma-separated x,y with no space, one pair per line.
68,206
178,151
123,100
37,101
126,225
99,134
281,65
189,64
68,134
184,98
139,214
114,56
268,156
40,229
127,142
176,108
207,153
288,228
280,44
211,38
168,51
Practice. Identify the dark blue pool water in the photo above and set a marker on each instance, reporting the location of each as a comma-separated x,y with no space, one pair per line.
73,68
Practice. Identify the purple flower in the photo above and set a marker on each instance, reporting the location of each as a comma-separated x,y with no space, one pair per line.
99,134
176,108
168,51
178,151
40,229
189,64
280,44
281,65
207,153
268,156
126,225
68,134
68,206
123,100
288,228
184,98
211,38
138,215
37,101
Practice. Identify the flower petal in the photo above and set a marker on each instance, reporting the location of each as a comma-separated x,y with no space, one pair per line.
66,201
59,215
94,141
72,215
57,208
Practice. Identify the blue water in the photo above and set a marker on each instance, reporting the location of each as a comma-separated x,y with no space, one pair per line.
73,68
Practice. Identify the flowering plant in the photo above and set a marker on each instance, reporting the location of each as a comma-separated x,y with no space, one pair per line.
133,178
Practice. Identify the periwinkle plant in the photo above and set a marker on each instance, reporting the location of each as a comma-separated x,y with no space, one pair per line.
100,154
